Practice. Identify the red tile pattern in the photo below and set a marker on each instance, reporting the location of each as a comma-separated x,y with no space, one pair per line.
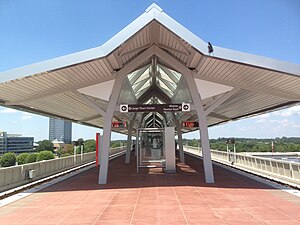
153,197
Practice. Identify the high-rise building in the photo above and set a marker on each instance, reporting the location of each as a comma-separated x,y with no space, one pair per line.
60,130
15,143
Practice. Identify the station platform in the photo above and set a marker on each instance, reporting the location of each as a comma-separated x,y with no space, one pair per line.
153,197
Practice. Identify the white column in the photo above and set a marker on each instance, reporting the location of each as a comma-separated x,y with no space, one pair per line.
208,170
180,143
120,75
81,152
104,152
74,154
129,137
170,149
188,75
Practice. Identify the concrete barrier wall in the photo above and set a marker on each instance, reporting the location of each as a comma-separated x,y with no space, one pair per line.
284,171
14,176
11,177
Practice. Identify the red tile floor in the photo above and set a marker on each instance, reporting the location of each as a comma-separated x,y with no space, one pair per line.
153,197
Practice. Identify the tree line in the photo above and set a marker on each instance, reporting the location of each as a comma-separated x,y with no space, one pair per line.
46,151
284,144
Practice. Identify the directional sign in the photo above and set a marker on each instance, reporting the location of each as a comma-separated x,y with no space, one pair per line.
118,124
155,108
124,108
230,141
186,107
142,108
190,124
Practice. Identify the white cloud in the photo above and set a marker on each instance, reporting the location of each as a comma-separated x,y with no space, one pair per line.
285,122
260,121
295,110
26,116
243,129
262,118
8,110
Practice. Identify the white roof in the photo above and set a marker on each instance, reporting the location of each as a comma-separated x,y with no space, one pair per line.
66,87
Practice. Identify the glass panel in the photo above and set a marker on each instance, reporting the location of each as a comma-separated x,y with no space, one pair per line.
160,116
165,76
162,85
150,150
146,85
160,101
145,75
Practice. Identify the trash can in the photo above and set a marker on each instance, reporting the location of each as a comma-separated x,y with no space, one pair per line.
31,174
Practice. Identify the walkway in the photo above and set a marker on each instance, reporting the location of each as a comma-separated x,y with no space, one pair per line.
155,198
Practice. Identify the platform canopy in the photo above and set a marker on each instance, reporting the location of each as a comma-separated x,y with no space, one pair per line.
153,51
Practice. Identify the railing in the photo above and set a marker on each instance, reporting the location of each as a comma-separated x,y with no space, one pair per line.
15,176
284,171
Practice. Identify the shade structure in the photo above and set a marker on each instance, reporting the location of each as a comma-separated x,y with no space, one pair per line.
77,87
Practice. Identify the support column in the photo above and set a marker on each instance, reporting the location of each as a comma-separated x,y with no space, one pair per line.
180,142
207,163
188,75
170,149
129,137
120,75
104,152
81,152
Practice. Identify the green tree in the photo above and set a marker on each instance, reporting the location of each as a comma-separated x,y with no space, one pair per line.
115,144
67,150
22,158
89,146
45,155
8,159
78,150
80,141
32,157
45,145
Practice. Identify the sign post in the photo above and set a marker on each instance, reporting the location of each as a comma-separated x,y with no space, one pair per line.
231,158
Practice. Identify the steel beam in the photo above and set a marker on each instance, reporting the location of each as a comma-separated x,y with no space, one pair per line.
89,102
220,100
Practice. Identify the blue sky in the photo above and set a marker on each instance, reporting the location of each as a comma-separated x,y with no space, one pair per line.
33,31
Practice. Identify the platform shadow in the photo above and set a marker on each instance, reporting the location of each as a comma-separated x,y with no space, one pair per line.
124,176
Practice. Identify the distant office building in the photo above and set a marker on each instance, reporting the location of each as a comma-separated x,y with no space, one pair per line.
15,143
60,130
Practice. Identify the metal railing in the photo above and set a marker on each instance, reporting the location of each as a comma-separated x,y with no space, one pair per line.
283,171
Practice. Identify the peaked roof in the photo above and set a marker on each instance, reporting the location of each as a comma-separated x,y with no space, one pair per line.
77,86
153,12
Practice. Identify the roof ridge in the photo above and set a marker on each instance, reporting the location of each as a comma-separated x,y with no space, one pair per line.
153,6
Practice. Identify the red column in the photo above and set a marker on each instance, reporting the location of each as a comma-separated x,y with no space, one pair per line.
97,149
